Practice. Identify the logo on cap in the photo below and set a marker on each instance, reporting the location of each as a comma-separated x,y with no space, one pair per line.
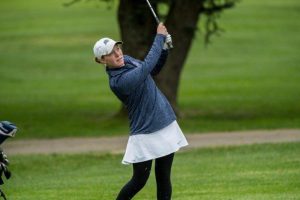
105,41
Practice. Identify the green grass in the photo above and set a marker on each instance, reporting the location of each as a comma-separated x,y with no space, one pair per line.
249,77
50,87
267,171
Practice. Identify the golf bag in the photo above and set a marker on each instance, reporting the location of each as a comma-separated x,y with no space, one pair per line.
7,129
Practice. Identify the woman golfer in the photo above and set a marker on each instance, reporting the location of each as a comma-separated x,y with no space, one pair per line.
154,132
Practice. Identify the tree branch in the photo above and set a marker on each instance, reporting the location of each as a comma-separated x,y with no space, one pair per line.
215,6
212,9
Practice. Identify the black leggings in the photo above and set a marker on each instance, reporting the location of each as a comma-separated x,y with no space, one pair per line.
141,172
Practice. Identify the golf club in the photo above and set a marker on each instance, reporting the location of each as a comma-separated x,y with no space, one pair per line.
170,45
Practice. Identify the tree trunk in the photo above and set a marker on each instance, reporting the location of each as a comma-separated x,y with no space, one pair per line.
138,28
182,21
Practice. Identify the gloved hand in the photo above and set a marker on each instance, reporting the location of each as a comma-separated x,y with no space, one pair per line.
167,42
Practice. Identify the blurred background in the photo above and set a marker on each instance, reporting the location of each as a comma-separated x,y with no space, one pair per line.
247,77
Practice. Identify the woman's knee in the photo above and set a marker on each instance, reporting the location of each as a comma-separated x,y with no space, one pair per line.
141,173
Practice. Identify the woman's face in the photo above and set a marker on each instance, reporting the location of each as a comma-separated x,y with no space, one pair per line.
115,58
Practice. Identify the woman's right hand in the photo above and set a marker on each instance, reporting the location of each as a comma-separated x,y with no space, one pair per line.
161,29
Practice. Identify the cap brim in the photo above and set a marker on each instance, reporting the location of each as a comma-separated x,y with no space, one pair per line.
117,42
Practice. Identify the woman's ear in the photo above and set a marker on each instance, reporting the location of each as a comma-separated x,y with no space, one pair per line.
97,60
101,61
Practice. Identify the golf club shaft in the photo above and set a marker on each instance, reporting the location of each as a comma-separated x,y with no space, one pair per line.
153,12
170,45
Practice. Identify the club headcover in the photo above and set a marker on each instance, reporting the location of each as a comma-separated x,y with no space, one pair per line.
7,129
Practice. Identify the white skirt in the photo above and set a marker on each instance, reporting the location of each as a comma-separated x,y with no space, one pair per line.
143,147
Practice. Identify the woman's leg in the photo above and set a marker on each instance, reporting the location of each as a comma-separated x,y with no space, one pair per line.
163,167
141,172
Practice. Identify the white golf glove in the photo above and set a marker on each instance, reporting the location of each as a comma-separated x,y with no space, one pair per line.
168,40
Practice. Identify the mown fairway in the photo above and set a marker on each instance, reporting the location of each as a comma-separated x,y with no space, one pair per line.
50,86
255,172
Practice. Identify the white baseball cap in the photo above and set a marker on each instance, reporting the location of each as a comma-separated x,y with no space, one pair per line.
104,47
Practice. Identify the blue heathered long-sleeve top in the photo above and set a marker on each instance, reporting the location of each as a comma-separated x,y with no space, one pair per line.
148,108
